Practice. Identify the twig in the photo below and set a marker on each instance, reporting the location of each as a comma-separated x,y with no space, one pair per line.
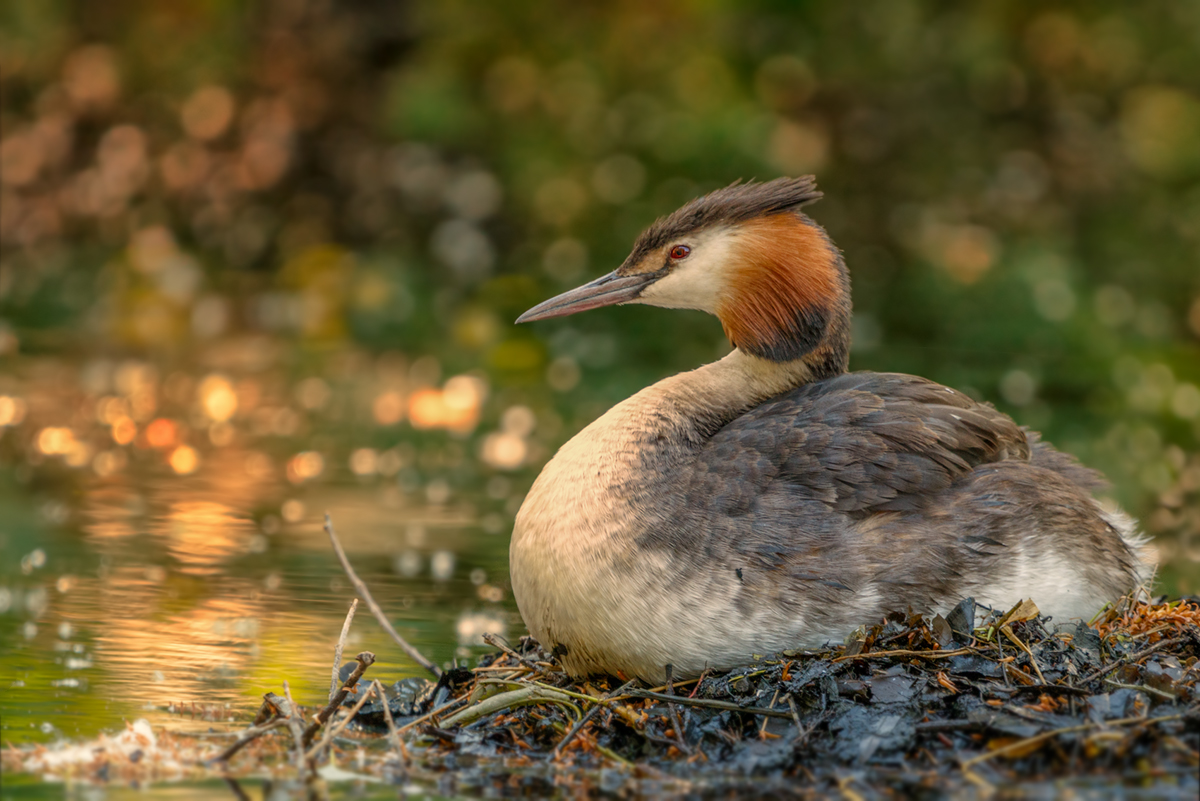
922,654
608,752
708,703
393,735
1158,646
775,698
428,715
236,788
334,731
678,684
795,716
337,652
296,725
493,640
1143,689
570,735
1008,632
1061,689
674,713
365,660
1021,745
365,594
531,694
248,736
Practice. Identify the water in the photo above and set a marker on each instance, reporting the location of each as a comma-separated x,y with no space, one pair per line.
161,545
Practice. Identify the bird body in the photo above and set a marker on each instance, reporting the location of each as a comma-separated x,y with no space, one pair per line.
771,500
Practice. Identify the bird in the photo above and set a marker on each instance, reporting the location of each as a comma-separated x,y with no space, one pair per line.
772,499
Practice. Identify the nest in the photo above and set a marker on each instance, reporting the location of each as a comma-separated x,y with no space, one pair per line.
980,698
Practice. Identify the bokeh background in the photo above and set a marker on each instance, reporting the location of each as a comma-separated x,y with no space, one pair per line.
261,259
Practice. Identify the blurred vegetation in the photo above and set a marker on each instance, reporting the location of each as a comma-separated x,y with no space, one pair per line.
286,189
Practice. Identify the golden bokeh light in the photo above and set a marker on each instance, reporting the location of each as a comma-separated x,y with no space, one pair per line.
218,398
364,461
108,463
12,410
124,430
184,460
161,433
455,407
388,408
55,440
305,466
208,112
503,451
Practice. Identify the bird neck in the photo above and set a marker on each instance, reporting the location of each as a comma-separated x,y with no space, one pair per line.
712,395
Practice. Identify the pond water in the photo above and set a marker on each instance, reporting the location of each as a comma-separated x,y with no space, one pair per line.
161,544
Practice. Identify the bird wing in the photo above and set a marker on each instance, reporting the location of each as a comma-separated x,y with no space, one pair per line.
857,443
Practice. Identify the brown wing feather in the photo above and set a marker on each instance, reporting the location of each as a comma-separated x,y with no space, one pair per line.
859,443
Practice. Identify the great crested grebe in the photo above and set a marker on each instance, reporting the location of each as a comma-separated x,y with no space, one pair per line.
771,499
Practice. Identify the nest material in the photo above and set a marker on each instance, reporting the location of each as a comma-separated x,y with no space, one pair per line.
979,699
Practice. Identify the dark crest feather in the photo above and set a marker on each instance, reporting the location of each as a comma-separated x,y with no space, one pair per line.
735,203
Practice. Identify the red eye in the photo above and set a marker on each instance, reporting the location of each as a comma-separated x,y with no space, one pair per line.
680,252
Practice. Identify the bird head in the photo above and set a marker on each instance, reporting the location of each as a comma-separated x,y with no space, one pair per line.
746,254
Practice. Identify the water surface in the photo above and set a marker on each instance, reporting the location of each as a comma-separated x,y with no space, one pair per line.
161,546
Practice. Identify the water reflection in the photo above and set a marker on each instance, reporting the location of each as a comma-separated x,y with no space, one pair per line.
166,549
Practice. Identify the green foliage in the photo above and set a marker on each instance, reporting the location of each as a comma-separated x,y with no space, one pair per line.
1015,188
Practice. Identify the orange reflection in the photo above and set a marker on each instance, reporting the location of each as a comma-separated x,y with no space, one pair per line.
305,466
203,534
455,407
123,431
219,400
161,433
184,460
158,651
388,408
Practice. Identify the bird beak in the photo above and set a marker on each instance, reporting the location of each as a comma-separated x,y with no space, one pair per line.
604,291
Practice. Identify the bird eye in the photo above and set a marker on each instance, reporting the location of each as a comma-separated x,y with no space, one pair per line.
680,252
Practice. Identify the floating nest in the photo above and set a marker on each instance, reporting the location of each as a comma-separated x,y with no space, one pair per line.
976,703
980,699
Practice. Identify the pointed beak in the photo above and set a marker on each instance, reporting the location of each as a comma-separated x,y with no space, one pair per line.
607,290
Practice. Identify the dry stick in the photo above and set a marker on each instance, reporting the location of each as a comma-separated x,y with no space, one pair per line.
922,654
614,756
678,684
683,746
235,788
428,715
365,660
334,731
1142,688
248,736
1131,659
365,594
295,724
583,721
1008,632
393,735
763,729
337,652
708,703
496,642
795,715
1037,738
